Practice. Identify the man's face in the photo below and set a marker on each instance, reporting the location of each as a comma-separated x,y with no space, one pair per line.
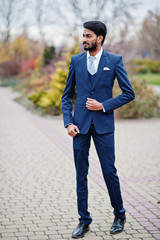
89,40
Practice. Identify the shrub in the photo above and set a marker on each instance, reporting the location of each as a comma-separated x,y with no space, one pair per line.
10,68
35,97
20,48
48,54
28,65
145,105
146,65
141,69
49,98
4,52
155,67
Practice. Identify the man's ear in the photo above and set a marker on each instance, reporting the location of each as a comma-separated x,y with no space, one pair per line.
100,39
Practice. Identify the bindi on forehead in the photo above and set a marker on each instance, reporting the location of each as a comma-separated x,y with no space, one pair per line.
88,33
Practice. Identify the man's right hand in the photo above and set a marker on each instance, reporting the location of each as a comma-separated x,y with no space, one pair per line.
72,130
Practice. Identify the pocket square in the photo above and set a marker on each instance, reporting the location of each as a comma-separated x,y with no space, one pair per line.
106,68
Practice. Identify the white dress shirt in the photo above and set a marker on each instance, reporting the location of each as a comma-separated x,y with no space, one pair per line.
96,61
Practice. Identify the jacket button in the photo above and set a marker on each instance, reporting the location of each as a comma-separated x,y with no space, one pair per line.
92,92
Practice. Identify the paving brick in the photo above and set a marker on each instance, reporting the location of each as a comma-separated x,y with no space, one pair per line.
156,236
141,230
65,236
57,237
14,226
9,238
9,230
22,238
130,231
24,234
121,236
142,235
107,237
38,237
151,238
7,234
45,224
137,227
37,228
24,222
135,238
51,232
154,232
64,231
94,238
39,233
54,228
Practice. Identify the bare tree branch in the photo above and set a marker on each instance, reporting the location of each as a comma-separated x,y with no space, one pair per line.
113,13
11,16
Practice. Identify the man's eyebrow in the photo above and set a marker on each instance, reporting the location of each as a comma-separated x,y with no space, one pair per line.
87,34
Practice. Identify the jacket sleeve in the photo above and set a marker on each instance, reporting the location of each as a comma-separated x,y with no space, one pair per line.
68,95
127,90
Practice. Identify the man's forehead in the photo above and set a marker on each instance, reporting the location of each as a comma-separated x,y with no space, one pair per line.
88,31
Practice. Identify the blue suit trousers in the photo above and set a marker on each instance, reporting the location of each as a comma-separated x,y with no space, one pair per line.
104,144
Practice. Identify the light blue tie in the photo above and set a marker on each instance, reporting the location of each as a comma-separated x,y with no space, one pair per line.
91,67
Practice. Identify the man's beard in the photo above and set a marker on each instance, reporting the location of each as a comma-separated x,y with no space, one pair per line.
92,48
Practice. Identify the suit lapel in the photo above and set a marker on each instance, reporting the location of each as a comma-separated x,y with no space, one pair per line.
84,68
100,68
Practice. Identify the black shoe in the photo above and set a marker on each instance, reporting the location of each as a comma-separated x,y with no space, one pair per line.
118,225
80,230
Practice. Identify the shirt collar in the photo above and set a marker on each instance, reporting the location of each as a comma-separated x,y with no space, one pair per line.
97,56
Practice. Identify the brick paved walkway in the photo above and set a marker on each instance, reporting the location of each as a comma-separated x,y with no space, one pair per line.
37,178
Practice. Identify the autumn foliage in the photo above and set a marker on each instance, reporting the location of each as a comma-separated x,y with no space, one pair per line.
17,57
49,96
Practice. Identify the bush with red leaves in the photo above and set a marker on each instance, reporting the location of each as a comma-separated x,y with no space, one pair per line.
10,68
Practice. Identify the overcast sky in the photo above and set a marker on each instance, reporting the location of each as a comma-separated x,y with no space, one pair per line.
146,6
139,15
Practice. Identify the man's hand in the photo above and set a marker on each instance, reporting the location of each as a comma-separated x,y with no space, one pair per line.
93,105
72,130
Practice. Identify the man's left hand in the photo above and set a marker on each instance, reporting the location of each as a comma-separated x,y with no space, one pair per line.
93,105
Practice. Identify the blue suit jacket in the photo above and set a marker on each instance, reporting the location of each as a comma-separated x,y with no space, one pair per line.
101,91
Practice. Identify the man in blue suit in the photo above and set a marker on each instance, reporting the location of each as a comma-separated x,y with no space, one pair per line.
93,73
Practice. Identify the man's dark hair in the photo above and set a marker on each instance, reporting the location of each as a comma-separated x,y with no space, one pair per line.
97,27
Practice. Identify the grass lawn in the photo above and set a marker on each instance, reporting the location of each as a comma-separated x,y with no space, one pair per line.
151,78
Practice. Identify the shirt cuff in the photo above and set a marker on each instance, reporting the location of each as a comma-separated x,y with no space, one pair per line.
103,108
67,124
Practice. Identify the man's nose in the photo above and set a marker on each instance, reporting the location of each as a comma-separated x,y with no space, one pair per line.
84,39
